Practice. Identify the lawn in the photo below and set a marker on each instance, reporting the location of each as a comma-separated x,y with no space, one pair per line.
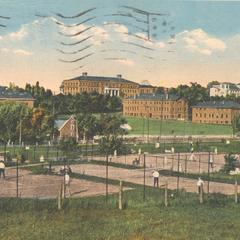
171,127
93,219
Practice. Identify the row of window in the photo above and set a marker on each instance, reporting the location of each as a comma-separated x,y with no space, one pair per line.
214,122
211,115
176,116
155,109
154,102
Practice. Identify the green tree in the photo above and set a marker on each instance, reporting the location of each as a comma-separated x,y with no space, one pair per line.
69,147
11,115
230,163
88,126
112,133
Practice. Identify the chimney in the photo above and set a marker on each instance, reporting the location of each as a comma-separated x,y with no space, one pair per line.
84,74
119,76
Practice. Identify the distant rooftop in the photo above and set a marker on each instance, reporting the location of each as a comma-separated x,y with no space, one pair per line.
171,97
8,93
218,104
86,77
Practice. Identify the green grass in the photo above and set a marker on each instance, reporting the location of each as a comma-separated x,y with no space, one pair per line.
93,219
170,127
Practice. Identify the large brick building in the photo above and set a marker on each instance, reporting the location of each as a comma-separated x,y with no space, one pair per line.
10,95
215,112
114,86
162,106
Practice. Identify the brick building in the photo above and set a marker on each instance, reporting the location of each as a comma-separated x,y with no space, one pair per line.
10,95
67,128
162,106
215,112
114,86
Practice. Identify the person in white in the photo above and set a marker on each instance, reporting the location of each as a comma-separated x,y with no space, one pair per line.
200,184
155,178
2,169
67,183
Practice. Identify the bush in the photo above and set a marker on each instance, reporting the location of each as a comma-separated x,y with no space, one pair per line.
230,163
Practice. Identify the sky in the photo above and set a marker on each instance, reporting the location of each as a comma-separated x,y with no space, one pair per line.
52,40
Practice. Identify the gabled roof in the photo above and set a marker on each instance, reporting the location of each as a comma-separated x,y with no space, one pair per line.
98,78
165,97
8,93
218,104
59,124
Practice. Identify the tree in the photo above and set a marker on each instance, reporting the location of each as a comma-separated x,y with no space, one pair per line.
87,125
112,133
11,115
230,163
69,147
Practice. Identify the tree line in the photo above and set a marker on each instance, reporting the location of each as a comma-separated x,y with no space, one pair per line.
73,104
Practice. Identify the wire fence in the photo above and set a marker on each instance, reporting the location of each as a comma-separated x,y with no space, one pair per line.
94,175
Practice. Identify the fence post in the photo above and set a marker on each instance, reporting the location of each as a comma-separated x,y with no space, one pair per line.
172,161
166,194
199,163
209,155
236,191
120,196
60,197
107,177
17,173
178,171
144,176
201,194
186,163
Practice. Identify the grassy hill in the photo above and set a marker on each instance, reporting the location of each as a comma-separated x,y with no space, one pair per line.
170,127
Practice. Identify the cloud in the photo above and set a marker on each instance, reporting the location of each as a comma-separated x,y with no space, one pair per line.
198,41
19,52
18,35
126,62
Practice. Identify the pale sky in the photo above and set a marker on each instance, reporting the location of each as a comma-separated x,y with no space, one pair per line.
192,41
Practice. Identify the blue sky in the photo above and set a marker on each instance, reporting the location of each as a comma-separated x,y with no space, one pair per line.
197,41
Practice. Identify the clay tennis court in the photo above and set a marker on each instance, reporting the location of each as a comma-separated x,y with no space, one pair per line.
191,163
136,176
46,186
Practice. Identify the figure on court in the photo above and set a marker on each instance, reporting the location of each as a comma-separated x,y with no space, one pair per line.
67,183
2,169
200,184
155,178
211,161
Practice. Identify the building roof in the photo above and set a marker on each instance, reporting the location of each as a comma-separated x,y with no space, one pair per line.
231,86
146,86
98,78
218,104
59,124
8,93
168,97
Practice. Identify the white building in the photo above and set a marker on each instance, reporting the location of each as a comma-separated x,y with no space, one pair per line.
224,89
